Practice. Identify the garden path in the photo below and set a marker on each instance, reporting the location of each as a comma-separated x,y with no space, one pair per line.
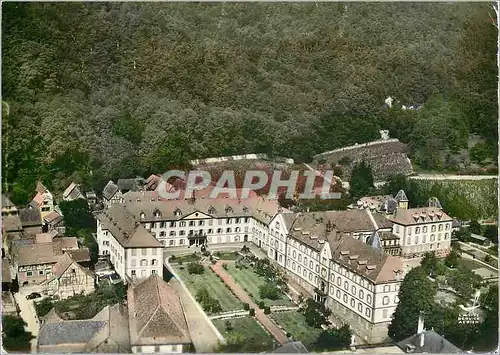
263,319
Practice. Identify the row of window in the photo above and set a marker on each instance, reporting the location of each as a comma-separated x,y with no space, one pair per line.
209,231
433,228
40,273
352,303
157,348
424,238
144,273
173,224
143,262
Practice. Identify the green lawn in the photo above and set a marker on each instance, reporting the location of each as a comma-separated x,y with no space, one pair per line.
227,255
469,264
246,335
186,258
214,286
294,323
251,282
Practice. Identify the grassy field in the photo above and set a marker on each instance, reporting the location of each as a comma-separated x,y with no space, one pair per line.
295,323
251,282
214,286
469,264
187,258
246,335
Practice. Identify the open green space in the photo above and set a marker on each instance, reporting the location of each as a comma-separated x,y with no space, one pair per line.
186,258
233,255
244,335
294,323
250,281
469,264
215,287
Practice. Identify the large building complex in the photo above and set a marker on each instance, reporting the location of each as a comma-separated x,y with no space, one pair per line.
345,259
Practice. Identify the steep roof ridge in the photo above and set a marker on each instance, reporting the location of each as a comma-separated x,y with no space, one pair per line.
158,305
372,219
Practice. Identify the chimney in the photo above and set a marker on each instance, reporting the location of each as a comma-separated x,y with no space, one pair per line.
421,329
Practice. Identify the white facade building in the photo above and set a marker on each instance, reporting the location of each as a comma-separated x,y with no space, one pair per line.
422,230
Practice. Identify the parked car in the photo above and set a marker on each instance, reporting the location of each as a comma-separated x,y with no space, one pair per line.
33,296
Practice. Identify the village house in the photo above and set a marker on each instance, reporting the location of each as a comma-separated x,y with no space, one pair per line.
91,198
69,278
12,228
34,262
152,182
358,282
126,185
111,194
156,318
54,221
72,192
31,221
8,208
422,230
382,204
107,332
43,201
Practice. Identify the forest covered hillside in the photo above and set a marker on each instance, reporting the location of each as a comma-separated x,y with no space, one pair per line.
94,91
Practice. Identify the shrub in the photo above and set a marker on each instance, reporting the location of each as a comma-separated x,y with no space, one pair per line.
213,261
180,263
246,306
487,258
229,326
224,266
196,268
269,291
262,304
173,257
252,312
267,310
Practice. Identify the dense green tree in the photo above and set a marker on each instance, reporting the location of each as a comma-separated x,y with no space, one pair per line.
361,183
475,227
316,313
14,337
491,232
415,295
77,215
333,339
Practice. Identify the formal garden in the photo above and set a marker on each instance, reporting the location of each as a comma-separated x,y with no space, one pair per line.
244,334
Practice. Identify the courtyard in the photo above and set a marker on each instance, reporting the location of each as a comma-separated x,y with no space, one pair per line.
250,281
209,281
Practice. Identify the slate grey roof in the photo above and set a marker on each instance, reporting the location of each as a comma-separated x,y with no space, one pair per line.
109,190
413,216
293,347
6,202
136,184
434,202
69,332
433,344
12,223
30,217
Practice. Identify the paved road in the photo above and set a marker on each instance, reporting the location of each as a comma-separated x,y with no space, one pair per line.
243,296
28,314
203,333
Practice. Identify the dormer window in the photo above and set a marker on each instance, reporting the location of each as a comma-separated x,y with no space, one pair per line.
229,209
212,210
142,215
157,213
245,209
177,212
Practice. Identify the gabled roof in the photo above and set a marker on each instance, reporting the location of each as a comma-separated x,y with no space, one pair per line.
152,182
6,202
401,196
109,190
423,215
12,223
43,253
45,237
126,229
115,337
136,184
433,344
37,200
53,217
156,315
70,189
30,217
77,332
40,188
